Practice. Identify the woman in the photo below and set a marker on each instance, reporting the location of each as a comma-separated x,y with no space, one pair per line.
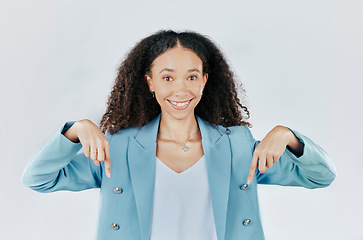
174,156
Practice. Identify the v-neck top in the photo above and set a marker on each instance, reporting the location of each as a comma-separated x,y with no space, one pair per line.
182,207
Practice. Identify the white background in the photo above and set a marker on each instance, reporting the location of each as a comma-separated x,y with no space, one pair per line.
300,63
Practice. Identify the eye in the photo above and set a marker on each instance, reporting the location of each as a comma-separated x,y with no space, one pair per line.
168,79
193,77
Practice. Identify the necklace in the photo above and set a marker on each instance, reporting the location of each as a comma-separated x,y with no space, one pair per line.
185,147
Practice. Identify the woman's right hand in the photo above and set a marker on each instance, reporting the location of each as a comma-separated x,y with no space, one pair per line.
94,142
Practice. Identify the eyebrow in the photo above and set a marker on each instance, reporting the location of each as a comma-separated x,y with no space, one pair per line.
172,70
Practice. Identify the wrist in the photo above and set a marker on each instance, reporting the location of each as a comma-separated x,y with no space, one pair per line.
292,139
294,145
285,134
71,133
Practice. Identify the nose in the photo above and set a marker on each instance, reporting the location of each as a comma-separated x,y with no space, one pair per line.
181,89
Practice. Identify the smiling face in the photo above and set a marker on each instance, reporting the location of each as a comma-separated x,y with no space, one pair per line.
178,81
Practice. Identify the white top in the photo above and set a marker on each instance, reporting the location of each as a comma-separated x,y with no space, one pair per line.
182,208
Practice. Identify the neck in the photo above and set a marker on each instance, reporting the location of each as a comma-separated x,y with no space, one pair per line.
180,129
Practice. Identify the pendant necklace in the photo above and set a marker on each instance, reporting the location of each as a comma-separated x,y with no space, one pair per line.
185,147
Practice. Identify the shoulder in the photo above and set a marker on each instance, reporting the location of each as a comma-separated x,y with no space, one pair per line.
239,134
232,131
241,129
236,131
123,133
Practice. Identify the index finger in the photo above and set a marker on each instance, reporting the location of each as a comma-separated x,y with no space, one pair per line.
253,167
108,160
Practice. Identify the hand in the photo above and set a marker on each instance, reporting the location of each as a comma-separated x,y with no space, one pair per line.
270,149
94,142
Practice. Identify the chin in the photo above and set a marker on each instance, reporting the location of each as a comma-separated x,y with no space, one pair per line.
178,116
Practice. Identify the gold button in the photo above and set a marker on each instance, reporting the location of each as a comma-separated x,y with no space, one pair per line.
246,222
244,186
115,226
117,190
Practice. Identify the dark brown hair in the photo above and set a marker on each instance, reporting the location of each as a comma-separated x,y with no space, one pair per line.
130,102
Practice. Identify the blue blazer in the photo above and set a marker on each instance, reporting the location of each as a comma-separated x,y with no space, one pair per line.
126,199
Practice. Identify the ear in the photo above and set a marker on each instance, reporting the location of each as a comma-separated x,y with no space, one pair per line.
149,82
205,78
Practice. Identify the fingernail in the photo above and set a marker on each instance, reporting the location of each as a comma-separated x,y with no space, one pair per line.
249,181
108,174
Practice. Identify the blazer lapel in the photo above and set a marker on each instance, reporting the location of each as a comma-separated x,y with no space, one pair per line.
141,159
217,152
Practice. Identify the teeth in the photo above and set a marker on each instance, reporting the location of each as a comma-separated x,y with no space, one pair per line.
179,104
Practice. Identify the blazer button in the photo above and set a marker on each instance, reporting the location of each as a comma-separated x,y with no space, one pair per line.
117,190
244,186
115,226
246,222
228,131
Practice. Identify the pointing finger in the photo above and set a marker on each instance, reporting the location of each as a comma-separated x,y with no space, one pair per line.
108,160
252,168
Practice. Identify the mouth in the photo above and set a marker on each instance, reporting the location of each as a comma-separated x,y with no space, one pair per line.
180,105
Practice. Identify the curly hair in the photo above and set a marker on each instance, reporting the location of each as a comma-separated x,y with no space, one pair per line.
130,102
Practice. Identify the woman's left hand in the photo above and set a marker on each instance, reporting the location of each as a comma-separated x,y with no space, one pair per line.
270,149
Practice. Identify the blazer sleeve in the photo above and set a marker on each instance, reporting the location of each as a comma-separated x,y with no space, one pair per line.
57,165
313,169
